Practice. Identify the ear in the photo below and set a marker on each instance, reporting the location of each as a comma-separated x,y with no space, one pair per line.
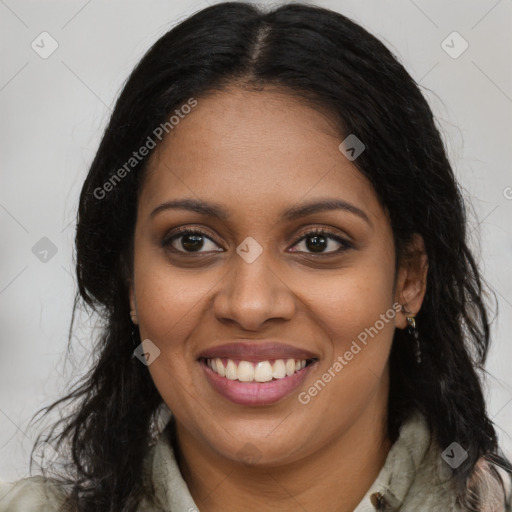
411,283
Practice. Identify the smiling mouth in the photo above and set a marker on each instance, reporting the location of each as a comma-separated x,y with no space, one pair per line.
256,371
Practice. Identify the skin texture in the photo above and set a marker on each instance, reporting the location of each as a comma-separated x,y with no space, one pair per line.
257,153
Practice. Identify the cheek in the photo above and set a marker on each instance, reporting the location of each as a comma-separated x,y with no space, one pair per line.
169,302
352,299
355,310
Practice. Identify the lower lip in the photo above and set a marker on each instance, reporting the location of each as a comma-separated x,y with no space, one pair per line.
255,393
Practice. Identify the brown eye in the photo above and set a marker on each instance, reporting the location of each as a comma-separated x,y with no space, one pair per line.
189,241
322,242
192,242
316,243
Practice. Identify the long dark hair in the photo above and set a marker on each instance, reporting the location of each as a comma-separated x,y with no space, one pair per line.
329,61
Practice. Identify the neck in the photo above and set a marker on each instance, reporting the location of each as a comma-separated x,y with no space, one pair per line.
335,477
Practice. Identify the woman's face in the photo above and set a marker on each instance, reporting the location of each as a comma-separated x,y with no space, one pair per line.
251,292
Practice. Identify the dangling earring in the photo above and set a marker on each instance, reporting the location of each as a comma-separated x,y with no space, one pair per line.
413,331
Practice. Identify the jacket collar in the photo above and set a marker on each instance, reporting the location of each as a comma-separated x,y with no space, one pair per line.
171,490
405,460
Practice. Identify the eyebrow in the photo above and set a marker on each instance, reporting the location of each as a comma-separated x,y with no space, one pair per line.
296,212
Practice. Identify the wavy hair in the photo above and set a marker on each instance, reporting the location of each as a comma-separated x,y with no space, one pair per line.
331,62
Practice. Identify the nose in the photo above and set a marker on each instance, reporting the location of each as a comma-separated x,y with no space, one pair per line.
251,294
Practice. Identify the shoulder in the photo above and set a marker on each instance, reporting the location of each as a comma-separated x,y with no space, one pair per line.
33,494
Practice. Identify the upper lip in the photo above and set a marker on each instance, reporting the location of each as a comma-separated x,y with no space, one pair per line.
256,351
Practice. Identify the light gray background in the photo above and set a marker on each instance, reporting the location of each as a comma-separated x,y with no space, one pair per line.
53,112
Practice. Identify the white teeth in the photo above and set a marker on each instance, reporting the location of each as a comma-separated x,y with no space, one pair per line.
262,371
231,370
290,367
220,367
245,371
279,369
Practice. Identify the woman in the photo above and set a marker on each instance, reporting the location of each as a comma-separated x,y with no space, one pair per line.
272,220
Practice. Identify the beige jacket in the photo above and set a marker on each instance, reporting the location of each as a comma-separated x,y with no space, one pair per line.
414,478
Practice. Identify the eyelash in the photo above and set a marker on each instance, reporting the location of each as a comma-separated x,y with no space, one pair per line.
315,231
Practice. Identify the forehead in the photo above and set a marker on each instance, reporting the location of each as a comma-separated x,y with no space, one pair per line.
250,149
